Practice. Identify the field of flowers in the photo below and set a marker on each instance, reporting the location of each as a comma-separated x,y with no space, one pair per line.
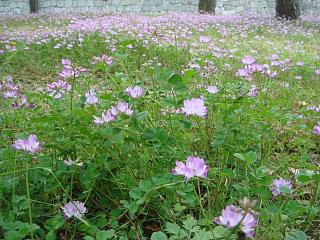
159,127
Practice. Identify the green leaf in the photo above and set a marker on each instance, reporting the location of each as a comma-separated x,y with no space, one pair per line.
190,224
51,235
176,81
240,156
316,177
159,236
145,185
135,193
249,157
296,235
285,190
173,228
88,238
54,223
133,208
302,178
220,232
103,235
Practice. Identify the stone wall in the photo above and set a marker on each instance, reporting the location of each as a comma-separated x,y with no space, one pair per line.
119,5
14,7
310,7
231,7
223,7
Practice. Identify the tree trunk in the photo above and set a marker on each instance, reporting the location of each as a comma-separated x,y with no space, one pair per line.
288,9
33,6
207,6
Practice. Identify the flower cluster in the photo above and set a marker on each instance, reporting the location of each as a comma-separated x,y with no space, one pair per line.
23,103
104,59
91,97
58,89
278,184
8,89
112,113
233,217
194,167
195,107
30,144
135,92
70,71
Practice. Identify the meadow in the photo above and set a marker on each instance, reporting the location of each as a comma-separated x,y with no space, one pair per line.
174,126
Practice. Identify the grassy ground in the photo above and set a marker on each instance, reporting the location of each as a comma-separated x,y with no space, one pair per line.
125,179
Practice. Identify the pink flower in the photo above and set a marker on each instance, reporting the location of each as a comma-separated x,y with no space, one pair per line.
194,167
194,106
30,144
135,92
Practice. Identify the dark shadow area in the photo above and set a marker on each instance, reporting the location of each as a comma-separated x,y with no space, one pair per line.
288,9
207,6
34,6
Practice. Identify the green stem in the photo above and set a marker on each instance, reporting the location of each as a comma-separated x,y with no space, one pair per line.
29,202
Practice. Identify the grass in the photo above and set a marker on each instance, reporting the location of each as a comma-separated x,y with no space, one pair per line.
125,178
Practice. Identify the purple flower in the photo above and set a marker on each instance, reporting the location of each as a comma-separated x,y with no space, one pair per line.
9,89
255,67
274,57
74,209
248,60
104,58
316,130
108,116
205,39
317,71
66,62
194,106
243,72
135,92
232,217
253,91
300,64
30,144
123,107
23,103
58,89
212,89
91,97
70,71
278,184
194,167
248,224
